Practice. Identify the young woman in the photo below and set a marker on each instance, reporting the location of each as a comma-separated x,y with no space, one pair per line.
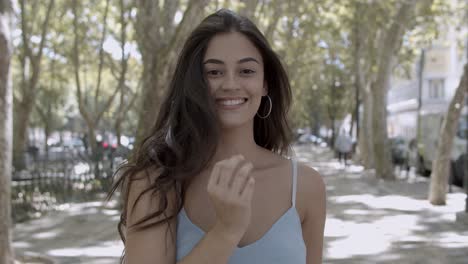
212,184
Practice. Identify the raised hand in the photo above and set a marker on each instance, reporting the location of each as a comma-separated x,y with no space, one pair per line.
231,188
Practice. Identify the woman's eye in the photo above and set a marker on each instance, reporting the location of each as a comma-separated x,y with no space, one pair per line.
247,71
213,73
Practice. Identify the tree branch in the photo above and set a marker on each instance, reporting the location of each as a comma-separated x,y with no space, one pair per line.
76,63
45,26
24,31
101,54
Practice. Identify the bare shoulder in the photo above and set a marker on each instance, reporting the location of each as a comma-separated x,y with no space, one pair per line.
311,206
311,191
141,200
153,244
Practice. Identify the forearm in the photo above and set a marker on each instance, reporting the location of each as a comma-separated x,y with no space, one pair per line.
214,248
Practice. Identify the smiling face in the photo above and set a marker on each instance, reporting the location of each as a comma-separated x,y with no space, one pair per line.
234,69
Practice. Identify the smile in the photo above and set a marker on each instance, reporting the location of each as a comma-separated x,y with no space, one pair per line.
231,103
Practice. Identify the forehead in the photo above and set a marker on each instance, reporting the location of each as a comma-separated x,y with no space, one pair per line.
231,47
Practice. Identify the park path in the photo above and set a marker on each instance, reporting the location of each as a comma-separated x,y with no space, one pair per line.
368,221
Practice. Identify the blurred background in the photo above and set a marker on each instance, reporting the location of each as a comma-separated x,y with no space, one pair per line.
380,109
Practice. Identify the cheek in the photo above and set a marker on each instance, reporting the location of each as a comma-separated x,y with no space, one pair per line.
256,86
212,85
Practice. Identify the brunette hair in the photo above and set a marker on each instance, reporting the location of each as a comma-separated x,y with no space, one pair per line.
184,138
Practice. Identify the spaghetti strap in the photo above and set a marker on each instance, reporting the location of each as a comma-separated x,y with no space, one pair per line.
294,184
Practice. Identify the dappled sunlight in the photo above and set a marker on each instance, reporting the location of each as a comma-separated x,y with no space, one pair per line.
354,176
106,249
44,235
395,202
452,240
455,202
355,168
354,239
372,221
348,238
87,211
110,212
336,227
21,244
334,165
302,159
356,212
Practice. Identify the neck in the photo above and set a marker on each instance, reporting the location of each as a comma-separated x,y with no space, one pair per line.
235,141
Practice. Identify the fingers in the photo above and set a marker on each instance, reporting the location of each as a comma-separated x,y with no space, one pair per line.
248,190
214,177
227,171
239,180
231,175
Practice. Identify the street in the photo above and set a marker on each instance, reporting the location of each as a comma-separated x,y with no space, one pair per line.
368,221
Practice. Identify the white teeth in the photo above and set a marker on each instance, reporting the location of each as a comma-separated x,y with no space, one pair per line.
232,102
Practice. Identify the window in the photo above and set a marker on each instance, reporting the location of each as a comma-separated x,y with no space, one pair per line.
436,89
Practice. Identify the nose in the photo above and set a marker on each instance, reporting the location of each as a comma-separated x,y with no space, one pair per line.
230,82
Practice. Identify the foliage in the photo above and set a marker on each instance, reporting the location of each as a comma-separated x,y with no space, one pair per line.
314,39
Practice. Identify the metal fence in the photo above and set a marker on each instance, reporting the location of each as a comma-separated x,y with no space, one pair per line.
52,181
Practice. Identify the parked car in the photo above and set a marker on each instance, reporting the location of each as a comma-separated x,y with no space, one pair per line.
428,145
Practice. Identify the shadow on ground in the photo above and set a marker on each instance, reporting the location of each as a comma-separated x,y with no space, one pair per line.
81,233
375,221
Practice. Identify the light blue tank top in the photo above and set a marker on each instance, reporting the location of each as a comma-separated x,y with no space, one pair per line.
283,242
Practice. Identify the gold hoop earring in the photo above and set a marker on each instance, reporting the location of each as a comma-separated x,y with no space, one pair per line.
269,111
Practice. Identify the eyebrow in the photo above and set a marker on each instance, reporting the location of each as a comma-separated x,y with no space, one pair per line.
244,60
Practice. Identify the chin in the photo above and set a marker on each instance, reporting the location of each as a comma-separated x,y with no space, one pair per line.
232,123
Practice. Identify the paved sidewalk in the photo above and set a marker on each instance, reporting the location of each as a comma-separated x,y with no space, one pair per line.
368,221
372,221
80,233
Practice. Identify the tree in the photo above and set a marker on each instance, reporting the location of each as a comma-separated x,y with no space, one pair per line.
390,42
91,115
127,98
361,39
371,27
49,102
159,40
30,57
6,130
441,164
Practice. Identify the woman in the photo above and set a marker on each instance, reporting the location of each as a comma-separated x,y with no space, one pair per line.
210,184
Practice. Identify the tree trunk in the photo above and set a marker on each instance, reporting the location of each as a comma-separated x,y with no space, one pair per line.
389,44
278,10
365,134
91,119
363,127
441,164
159,51
6,131
21,135
29,91
381,148
119,116
46,135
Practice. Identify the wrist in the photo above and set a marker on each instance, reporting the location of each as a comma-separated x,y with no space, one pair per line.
230,238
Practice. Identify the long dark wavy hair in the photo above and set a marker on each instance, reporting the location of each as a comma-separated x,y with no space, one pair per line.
186,133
